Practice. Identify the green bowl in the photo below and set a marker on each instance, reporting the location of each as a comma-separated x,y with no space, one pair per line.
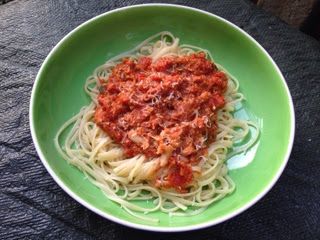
58,94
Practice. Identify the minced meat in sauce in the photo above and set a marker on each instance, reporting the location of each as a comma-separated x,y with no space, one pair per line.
167,107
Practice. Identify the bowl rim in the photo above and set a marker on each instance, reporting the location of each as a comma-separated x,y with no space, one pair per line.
142,226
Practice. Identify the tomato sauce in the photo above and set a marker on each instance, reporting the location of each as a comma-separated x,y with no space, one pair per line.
167,107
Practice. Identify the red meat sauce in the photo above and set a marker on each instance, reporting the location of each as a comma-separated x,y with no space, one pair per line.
167,107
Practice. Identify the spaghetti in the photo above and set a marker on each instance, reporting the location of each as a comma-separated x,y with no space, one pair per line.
125,176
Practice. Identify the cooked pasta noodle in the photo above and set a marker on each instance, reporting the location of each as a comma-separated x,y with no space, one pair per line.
122,179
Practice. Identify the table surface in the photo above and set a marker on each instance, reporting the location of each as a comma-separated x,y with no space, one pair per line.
33,206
